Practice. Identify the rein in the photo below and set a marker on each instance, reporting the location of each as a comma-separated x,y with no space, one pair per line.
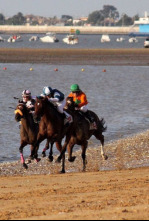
19,112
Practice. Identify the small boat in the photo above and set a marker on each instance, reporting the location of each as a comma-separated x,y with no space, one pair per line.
133,40
71,39
15,38
49,38
34,38
146,43
105,38
2,39
120,39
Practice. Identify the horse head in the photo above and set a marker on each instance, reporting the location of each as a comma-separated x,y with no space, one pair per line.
20,112
40,106
70,104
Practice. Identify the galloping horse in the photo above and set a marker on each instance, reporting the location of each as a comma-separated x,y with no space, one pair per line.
81,133
28,132
51,125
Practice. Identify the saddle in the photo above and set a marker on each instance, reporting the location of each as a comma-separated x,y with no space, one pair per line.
90,119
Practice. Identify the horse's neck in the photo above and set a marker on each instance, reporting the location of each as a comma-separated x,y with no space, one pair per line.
51,113
28,123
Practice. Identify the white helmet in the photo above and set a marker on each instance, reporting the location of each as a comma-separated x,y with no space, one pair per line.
47,91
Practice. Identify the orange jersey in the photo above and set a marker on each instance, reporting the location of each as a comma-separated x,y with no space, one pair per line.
80,97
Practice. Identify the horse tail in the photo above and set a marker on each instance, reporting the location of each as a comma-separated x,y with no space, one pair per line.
101,125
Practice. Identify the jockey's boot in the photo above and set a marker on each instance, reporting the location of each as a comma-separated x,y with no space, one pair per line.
93,125
68,118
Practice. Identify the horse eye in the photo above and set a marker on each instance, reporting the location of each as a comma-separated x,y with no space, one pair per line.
38,104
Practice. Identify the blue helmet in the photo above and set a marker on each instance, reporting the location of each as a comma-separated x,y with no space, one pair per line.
47,91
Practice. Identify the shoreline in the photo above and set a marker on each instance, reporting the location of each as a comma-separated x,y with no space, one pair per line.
127,153
126,57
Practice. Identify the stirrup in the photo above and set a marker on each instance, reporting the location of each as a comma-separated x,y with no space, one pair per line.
68,120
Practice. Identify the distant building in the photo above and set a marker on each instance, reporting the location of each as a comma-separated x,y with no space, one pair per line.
143,24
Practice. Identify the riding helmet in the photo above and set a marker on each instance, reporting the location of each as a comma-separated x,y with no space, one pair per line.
75,88
47,91
26,93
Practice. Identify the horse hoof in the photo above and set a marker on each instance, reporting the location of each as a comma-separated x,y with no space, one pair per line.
50,159
25,166
58,160
62,172
38,160
43,154
72,159
105,157
29,161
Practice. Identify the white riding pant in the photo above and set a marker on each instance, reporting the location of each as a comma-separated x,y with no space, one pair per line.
60,106
84,109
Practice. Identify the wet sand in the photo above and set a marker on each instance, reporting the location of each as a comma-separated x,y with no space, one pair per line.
115,189
76,56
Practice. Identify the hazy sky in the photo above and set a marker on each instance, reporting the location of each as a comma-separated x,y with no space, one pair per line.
76,8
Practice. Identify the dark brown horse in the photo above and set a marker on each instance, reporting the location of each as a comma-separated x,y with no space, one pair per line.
28,131
51,125
81,133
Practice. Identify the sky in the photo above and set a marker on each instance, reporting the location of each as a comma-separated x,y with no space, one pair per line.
75,8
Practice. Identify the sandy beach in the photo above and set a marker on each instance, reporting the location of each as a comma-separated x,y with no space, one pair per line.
76,56
116,189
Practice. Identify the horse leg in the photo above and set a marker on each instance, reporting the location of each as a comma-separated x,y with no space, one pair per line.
63,150
40,138
84,147
21,154
60,148
101,138
69,149
50,158
46,148
31,157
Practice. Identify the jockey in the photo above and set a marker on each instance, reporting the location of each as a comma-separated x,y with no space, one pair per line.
81,102
58,99
28,101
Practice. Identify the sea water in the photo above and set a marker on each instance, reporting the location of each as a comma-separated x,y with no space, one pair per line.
119,94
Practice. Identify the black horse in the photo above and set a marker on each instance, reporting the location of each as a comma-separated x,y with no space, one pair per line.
81,133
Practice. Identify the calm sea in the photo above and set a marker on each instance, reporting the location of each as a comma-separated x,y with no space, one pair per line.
120,95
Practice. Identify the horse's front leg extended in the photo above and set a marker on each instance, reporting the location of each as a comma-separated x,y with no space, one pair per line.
21,155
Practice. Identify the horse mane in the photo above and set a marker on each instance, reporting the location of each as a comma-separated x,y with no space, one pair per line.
28,116
47,103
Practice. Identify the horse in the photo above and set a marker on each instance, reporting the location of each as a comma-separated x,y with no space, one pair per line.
51,126
28,132
81,133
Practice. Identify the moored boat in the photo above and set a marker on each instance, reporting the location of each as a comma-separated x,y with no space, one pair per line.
34,38
15,38
71,39
49,38
105,38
